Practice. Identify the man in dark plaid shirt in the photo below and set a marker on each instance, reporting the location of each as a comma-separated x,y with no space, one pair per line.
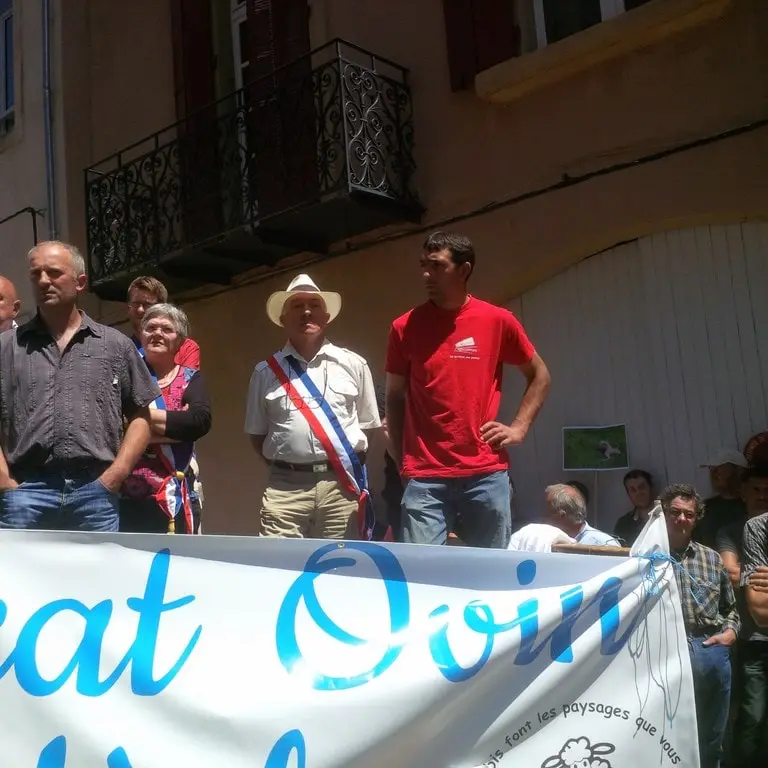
751,658
710,616
67,385
754,573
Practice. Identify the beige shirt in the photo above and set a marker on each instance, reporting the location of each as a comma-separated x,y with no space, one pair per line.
344,380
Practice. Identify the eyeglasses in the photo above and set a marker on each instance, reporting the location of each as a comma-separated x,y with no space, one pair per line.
141,304
686,513
312,402
166,330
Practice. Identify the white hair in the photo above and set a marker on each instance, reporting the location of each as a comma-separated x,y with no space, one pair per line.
566,499
78,262
175,314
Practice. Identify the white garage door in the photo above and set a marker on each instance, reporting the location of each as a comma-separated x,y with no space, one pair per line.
667,334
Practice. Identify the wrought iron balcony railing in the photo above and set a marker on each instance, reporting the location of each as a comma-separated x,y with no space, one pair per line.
319,150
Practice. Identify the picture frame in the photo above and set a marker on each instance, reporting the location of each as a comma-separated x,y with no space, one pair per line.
595,449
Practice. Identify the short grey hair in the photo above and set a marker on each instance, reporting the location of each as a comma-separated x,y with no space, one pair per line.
175,314
78,262
566,499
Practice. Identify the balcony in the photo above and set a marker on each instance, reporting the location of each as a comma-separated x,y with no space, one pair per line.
319,151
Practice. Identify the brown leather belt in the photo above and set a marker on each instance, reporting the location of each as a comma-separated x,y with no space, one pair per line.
318,467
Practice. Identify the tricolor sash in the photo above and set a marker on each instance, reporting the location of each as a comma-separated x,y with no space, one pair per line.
324,424
140,350
173,495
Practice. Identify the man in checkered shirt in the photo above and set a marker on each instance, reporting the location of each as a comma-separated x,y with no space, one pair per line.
710,616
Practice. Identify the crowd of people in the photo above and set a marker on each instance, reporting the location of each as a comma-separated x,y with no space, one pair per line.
97,429
98,432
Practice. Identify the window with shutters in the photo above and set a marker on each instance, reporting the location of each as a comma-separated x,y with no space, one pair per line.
557,19
240,43
482,33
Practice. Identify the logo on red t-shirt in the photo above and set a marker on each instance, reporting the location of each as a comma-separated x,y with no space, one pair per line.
466,348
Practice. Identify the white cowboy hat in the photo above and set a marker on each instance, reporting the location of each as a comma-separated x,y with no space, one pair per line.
301,285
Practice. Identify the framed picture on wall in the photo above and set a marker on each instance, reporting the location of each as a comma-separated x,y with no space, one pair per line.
595,448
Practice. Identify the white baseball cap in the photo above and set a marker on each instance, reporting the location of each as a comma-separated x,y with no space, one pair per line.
727,457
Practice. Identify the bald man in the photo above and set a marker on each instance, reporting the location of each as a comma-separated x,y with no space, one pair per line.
9,304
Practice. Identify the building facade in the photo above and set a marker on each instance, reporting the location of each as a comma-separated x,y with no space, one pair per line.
608,158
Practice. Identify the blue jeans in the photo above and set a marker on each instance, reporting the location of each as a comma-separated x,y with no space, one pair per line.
75,501
480,504
711,667
750,740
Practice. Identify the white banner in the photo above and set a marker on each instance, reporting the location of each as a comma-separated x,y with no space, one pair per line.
133,651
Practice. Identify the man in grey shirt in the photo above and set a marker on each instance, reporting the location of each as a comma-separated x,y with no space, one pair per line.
71,390
749,740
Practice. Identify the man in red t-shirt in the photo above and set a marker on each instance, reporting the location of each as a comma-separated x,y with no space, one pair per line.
444,368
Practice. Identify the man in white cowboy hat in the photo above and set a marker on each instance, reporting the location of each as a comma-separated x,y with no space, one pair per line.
310,407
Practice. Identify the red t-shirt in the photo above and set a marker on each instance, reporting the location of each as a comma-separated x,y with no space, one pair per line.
453,361
188,354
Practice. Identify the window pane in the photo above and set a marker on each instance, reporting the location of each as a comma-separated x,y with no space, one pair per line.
242,30
8,63
566,17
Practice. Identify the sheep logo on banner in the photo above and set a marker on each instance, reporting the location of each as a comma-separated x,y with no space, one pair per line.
578,753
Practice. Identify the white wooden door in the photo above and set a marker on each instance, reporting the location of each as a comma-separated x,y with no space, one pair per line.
668,334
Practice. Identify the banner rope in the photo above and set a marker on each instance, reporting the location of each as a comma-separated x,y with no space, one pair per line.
651,576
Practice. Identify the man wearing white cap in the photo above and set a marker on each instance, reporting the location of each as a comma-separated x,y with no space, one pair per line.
309,409
726,505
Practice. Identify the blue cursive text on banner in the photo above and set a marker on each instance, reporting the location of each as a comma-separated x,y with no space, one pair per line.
86,660
478,617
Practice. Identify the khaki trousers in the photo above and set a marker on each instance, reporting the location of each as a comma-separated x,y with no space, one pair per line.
307,505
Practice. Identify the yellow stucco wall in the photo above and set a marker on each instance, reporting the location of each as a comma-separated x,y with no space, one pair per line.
469,153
